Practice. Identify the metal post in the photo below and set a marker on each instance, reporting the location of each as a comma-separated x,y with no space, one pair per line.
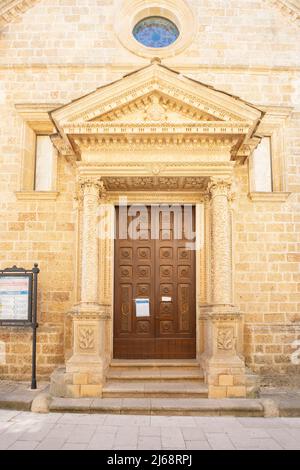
35,271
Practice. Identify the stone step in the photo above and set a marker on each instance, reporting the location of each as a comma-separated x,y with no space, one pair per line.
159,375
150,388
152,363
160,406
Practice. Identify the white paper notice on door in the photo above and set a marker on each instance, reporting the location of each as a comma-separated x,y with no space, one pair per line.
142,307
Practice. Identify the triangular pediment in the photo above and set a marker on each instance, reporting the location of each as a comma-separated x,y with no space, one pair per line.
155,107
155,93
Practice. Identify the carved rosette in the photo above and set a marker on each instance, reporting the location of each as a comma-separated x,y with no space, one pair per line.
221,241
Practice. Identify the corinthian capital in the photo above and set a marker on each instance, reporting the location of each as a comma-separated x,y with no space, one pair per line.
91,185
219,187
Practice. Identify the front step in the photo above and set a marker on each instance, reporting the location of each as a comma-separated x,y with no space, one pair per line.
160,406
152,389
155,379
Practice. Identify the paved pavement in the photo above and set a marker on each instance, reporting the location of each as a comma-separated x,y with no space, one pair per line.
26,430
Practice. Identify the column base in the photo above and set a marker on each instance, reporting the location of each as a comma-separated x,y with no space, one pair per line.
222,361
85,372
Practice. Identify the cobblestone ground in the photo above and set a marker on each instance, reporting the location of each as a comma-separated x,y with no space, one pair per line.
24,430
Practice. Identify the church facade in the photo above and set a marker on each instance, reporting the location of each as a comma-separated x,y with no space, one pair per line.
150,164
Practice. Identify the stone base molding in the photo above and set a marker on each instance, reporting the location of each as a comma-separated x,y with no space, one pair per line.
222,362
84,375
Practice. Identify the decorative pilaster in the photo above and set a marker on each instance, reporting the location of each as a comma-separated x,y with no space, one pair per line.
221,360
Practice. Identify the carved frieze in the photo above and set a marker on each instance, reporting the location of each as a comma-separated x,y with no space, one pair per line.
193,183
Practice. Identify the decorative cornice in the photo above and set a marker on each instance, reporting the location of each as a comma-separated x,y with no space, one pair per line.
205,127
287,7
36,115
12,9
269,197
167,196
172,168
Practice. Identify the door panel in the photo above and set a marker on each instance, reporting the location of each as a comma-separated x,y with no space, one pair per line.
162,270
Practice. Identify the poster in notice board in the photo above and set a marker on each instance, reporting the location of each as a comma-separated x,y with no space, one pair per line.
15,297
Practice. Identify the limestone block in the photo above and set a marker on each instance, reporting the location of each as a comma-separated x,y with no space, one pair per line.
236,391
90,391
41,403
225,379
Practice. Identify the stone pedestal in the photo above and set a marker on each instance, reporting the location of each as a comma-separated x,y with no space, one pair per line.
222,363
222,360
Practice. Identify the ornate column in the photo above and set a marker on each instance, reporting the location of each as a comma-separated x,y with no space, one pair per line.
85,370
90,188
221,242
224,366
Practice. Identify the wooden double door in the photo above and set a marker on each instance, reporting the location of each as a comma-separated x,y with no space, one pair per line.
158,269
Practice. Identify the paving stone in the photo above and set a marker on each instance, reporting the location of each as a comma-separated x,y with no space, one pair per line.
294,433
74,446
285,439
6,415
219,441
48,417
257,444
172,437
193,434
61,431
126,436
247,432
149,443
27,430
175,447
7,440
258,422
37,432
291,422
198,445
78,418
51,444
127,447
24,445
149,431
167,421
106,429
101,441
82,433
131,420
4,425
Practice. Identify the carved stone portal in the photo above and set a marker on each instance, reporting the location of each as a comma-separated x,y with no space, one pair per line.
159,136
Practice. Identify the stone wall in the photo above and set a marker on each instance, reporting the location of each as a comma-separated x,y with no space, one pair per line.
60,50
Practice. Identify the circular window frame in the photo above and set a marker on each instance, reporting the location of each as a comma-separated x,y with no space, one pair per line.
133,11
166,22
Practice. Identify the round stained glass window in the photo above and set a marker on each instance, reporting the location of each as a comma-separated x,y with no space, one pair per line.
155,31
